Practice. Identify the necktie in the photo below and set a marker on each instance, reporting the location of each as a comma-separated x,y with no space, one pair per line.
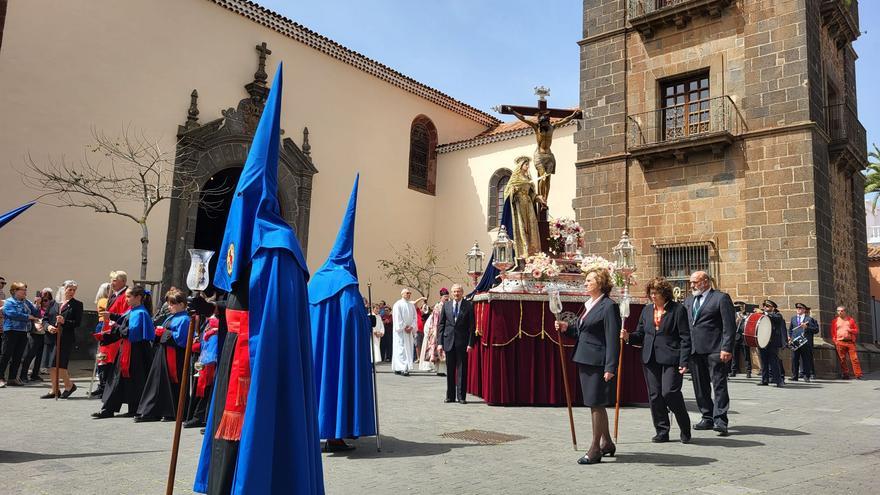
455,311
697,303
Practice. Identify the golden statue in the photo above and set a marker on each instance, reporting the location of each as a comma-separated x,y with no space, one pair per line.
521,192
545,162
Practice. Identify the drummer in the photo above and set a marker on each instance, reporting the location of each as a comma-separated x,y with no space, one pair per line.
802,324
739,346
771,365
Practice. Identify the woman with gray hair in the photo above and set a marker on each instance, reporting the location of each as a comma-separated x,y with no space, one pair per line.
70,313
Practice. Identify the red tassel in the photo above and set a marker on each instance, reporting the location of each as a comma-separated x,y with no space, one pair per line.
230,426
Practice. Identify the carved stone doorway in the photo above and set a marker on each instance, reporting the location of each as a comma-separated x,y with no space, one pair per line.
217,151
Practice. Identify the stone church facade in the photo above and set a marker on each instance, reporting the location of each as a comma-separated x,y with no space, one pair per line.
724,136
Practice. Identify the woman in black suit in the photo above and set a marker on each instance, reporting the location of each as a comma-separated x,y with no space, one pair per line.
665,337
69,316
595,353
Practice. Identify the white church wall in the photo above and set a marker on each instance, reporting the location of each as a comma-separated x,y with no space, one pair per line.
68,67
463,192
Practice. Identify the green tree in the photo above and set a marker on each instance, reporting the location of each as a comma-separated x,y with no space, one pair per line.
872,177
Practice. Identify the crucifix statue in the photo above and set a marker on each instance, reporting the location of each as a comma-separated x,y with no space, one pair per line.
545,162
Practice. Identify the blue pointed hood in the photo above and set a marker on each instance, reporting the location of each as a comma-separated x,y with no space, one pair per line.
255,219
339,271
9,215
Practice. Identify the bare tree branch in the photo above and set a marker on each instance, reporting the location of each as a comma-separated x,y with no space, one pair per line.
416,268
126,175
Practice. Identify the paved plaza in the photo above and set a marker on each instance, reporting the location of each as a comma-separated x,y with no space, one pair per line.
821,437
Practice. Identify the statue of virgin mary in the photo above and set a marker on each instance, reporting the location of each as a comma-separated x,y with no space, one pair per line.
520,191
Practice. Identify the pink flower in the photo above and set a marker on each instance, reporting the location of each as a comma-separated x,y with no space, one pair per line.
536,273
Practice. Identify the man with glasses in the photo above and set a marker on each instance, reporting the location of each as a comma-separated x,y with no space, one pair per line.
713,327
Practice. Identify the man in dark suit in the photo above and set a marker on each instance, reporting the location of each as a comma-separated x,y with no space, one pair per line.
713,326
771,365
802,324
456,334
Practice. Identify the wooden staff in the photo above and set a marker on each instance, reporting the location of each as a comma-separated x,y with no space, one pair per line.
181,403
574,441
57,358
617,402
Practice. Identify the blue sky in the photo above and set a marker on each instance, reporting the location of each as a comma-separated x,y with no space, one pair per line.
489,52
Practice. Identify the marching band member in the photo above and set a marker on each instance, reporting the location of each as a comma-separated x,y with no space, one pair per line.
772,365
804,325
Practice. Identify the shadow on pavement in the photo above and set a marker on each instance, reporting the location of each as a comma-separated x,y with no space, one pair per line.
13,457
764,430
662,459
725,442
394,447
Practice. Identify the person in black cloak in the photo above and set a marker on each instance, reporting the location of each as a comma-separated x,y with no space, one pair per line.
161,391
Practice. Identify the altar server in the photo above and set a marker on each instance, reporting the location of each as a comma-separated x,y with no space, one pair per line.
262,429
404,316
340,342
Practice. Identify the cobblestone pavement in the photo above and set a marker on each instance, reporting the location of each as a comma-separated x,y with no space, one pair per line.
822,437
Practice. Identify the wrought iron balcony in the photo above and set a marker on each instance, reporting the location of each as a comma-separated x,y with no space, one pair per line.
677,131
842,19
846,135
648,16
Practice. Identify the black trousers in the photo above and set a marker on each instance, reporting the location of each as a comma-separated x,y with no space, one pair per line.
386,342
664,394
33,354
740,348
456,373
771,365
804,356
710,387
105,371
14,344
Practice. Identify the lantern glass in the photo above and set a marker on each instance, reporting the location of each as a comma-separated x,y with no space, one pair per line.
475,259
502,250
198,277
624,252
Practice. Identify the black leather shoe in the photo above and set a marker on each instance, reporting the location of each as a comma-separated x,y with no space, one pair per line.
336,446
748,375
732,374
586,459
722,431
97,393
50,395
794,378
807,379
704,424
398,373
194,423
609,450
448,400
781,384
102,415
67,393
145,419
660,438
686,436
406,373
763,384
462,401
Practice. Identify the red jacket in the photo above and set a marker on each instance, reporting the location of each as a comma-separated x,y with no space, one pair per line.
853,332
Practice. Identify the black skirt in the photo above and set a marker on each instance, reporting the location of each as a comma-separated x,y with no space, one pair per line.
597,392
67,341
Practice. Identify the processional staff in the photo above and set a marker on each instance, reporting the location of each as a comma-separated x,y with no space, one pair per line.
626,265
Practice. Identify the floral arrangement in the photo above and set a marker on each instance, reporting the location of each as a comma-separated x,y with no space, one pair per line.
560,230
594,262
542,267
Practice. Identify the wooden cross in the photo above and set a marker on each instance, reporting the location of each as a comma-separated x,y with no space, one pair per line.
541,109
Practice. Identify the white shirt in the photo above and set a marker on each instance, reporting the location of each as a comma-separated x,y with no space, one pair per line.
590,303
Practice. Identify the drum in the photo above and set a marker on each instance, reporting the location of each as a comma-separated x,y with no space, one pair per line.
757,330
798,342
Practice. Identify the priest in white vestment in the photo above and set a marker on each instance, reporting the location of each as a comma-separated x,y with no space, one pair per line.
404,319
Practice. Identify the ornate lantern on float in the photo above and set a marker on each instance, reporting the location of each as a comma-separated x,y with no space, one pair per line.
475,262
625,258
502,252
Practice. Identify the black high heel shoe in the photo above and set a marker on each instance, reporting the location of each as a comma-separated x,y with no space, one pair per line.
609,450
50,395
586,459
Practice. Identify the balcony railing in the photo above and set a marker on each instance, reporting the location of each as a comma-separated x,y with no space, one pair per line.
874,234
677,130
647,16
846,133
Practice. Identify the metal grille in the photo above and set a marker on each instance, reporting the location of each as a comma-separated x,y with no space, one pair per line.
482,437
678,261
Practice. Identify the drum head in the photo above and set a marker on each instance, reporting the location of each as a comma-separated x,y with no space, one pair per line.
765,330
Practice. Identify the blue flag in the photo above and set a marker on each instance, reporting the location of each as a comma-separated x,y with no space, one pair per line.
9,215
341,335
279,450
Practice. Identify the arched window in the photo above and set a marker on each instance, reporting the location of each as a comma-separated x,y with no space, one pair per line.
496,197
423,155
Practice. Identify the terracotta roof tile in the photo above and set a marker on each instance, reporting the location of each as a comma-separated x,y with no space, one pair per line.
874,253
298,32
501,132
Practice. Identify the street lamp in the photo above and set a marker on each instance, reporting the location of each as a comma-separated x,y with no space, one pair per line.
625,255
475,262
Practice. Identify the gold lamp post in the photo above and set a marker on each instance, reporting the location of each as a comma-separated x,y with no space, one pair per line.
475,262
